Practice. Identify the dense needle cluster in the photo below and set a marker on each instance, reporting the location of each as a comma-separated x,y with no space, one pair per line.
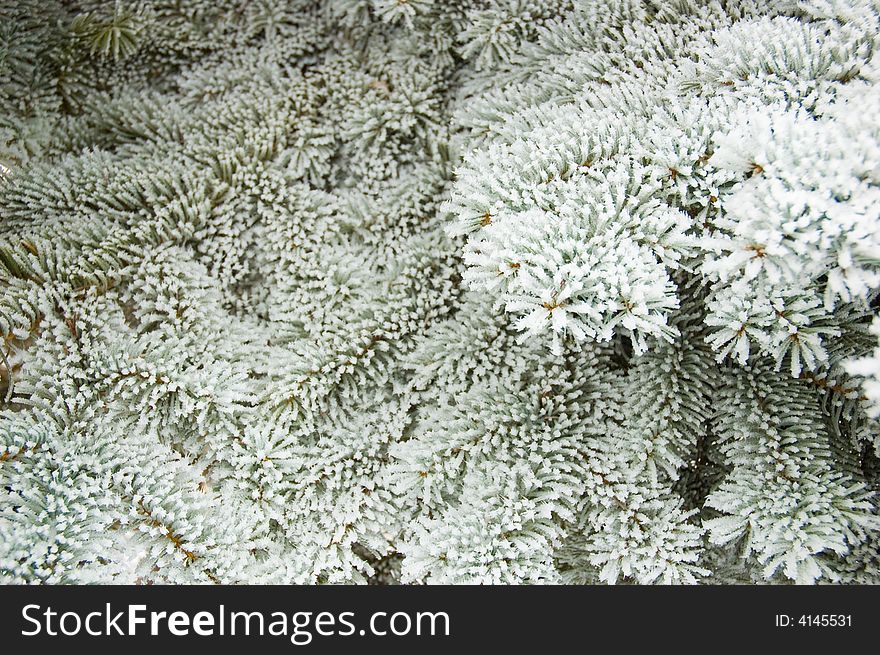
478,291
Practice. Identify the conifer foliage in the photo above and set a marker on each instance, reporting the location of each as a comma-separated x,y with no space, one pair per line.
411,291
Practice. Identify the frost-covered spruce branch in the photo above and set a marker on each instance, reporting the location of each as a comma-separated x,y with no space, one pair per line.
449,292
